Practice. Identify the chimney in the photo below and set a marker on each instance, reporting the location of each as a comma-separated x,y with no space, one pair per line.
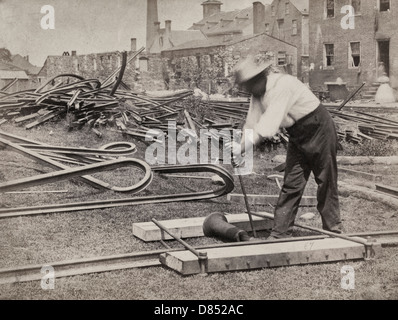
211,7
157,28
152,18
258,17
133,42
27,58
168,28
73,53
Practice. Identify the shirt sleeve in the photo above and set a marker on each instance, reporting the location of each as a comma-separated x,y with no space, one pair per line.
254,113
278,101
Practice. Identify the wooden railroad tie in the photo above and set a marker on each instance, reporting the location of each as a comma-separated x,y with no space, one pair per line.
193,227
257,256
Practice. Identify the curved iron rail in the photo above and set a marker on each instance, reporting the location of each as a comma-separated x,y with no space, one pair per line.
47,160
76,85
111,203
64,75
127,148
78,171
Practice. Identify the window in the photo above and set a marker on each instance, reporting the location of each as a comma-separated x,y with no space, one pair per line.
329,55
294,27
198,61
356,4
329,9
267,28
384,5
280,29
211,56
287,8
273,11
143,64
281,58
354,58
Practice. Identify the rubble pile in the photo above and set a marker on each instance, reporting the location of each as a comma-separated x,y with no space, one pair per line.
112,105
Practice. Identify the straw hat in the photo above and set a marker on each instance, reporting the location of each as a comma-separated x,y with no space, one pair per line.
249,68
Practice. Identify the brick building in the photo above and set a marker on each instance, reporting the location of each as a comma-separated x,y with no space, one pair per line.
144,72
289,22
202,56
217,24
208,64
158,39
353,52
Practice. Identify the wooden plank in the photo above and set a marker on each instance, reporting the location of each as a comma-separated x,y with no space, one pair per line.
361,174
28,117
387,189
44,118
257,199
265,256
193,227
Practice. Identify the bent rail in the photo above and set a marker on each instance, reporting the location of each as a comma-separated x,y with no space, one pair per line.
111,203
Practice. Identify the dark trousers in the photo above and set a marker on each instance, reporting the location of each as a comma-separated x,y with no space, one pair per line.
312,147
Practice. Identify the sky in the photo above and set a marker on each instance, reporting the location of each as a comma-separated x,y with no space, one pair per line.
91,26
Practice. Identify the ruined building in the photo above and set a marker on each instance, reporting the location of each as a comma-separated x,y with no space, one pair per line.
360,52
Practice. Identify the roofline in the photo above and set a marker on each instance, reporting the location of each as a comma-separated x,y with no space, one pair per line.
231,43
224,32
202,47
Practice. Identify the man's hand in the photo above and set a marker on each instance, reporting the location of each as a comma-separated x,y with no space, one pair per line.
235,149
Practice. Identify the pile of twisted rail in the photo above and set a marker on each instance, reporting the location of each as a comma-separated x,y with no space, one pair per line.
97,160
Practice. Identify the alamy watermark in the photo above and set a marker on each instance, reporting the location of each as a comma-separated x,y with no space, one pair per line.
48,20
348,21
347,278
48,279
194,149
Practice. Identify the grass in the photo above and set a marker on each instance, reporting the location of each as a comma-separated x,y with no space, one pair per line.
54,237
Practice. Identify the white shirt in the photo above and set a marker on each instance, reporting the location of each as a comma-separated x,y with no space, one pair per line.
285,101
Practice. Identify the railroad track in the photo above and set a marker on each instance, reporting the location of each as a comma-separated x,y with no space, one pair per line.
148,259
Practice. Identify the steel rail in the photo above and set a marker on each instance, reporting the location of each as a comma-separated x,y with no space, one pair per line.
121,73
74,86
82,266
325,232
8,86
202,256
57,165
136,54
78,171
128,148
64,75
15,94
114,148
227,187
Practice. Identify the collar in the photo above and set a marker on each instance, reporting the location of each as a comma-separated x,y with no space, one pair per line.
272,79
